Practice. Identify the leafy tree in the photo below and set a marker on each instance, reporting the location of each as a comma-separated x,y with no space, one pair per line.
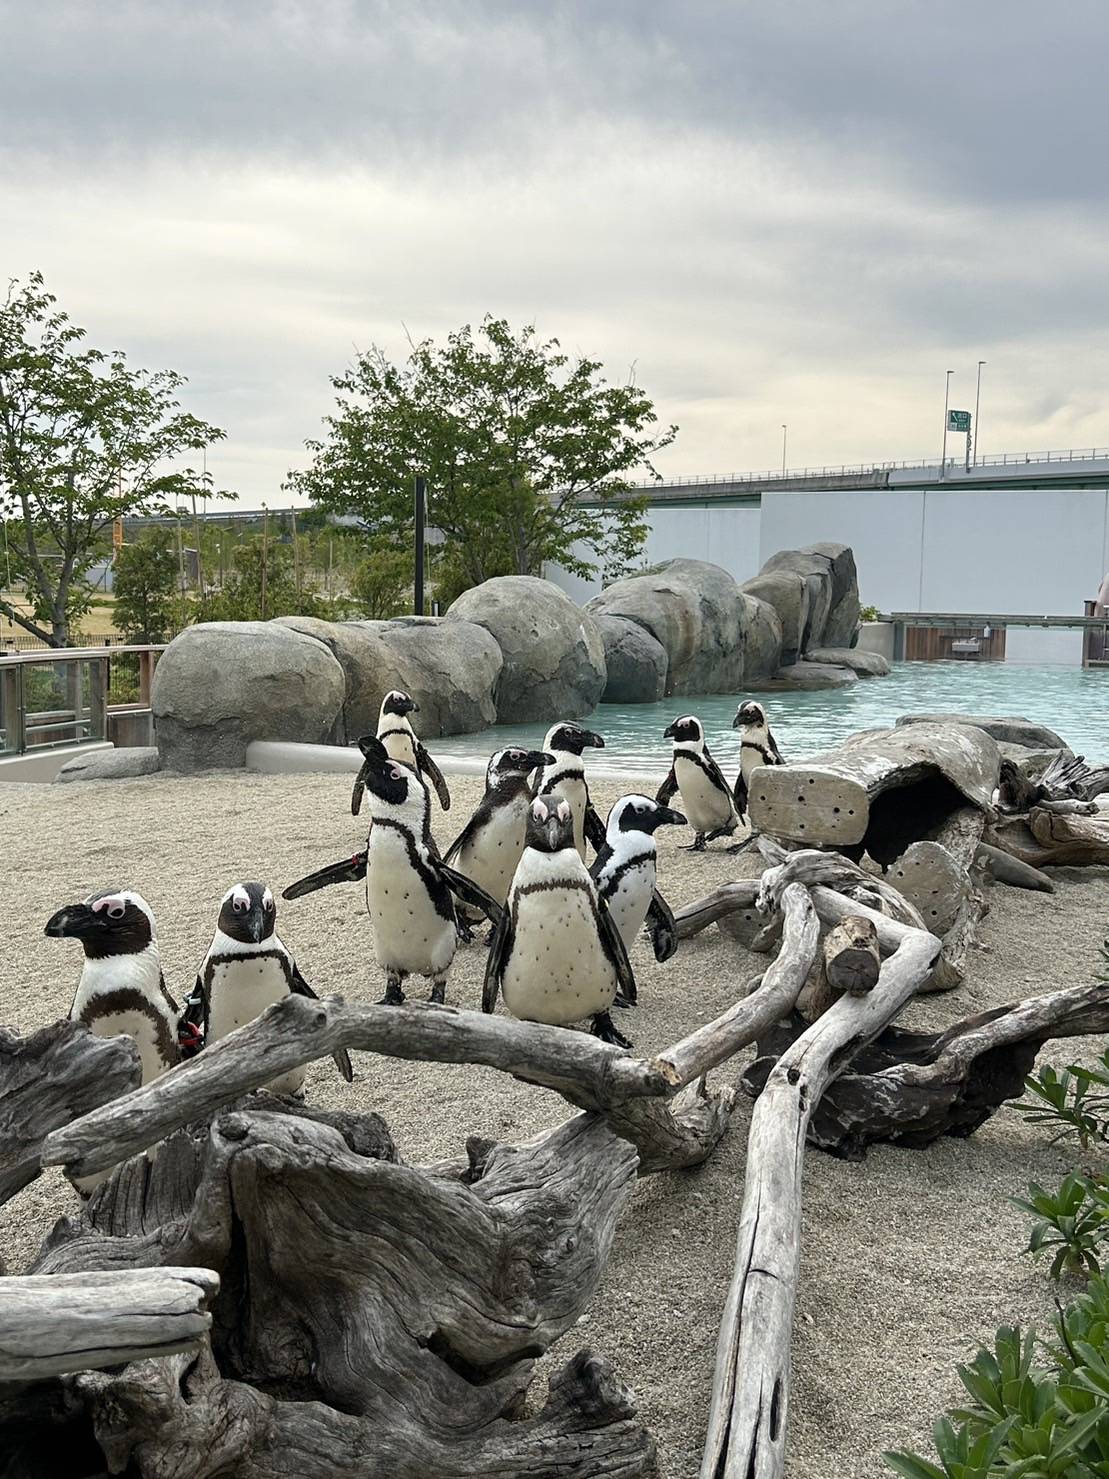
381,581
84,440
261,584
145,586
511,435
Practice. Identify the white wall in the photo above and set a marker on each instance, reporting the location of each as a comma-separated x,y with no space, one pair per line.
1027,644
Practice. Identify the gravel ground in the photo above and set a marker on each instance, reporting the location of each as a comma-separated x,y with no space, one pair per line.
908,1259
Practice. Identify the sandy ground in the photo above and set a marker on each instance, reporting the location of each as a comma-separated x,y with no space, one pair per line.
908,1259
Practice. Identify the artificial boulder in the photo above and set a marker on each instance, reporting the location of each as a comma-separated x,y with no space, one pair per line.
815,591
762,638
1012,730
222,684
843,618
787,592
367,670
554,659
803,675
864,664
635,662
110,765
816,572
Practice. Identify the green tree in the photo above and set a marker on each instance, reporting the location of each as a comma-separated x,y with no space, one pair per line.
381,581
513,437
261,584
84,440
146,606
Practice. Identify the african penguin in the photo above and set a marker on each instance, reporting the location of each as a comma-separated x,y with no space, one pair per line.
566,775
556,955
401,743
706,799
757,746
248,968
121,989
489,846
409,888
625,870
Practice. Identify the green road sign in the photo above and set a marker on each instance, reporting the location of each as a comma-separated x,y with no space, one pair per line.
958,420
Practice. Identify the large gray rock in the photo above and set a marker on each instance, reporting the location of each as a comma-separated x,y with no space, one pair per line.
843,618
110,765
1015,731
554,659
367,668
635,662
829,613
816,572
865,664
787,593
696,612
221,684
803,675
762,637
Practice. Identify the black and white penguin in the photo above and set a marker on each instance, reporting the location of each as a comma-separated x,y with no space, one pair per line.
492,841
401,743
566,776
556,956
625,871
247,968
121,989
706,796
757,746
410,891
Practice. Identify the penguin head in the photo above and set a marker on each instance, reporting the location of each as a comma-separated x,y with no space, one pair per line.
572,738
111,922
688,730
550,825
389,782
642,814
399,702
515,761
749,716
248,913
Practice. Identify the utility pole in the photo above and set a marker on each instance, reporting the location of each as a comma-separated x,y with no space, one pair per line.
977,398
785,433
946,399
265,553
296,552
418,582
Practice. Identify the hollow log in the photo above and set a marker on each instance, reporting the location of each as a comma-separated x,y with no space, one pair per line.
750,1393
961,833
50,1324
1003,867
880,791
48,1079
911,1088
934,882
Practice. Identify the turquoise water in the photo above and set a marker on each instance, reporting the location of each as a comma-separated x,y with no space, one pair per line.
1072,701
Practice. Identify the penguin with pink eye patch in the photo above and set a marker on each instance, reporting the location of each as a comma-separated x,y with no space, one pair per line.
121,989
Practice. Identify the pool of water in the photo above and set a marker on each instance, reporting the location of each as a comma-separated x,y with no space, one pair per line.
1072,701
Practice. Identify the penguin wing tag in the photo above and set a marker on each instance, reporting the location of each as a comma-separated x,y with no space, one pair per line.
469,892
661,927
425,765
300,986
348,871
500,947
614,948
190,1024
668,789
594,828
739,794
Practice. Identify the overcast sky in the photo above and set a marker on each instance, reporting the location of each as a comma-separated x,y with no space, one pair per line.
800,211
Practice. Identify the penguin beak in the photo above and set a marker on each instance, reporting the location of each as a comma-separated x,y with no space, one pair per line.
536,759
73,922
554,829
669,731
666,816
411,707
592,739
256,923
737,722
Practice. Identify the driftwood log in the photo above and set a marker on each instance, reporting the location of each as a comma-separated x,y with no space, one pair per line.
1003,867
1043,839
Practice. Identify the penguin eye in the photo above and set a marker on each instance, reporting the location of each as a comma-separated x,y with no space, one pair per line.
563,810
396,773
267,903
116,911
539,811
239,906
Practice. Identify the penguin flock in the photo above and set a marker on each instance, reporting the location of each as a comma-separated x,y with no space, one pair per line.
561,927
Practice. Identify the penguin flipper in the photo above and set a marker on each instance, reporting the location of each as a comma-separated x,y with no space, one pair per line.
594,828
613,946
739,794
425,765
347,871
500,947
358,792
661,927
716,775
668,789
775,753
300,986
470,893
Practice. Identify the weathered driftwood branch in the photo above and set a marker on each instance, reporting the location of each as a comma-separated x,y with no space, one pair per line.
1071,838
1065,778
1003,867
851,957
725,900
589,1073
46,1080
831,870
961,833
914,1087
750,1394
50,1324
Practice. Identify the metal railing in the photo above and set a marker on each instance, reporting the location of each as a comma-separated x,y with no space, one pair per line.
60,696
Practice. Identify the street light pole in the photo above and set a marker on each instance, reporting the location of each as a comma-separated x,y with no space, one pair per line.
785,433
977,397
946,398
418,582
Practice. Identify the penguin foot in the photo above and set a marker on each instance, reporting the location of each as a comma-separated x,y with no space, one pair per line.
738,847
463,931
720,832
439,990
697,845
394,995
604,1028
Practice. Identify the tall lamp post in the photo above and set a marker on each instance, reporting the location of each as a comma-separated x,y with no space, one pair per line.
420,520
785,433
946,399
977,397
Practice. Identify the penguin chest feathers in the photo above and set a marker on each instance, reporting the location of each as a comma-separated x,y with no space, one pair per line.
399,741
413,920
557,970
241,986
568,779
703,802
490,857
123,995
626,886
754,749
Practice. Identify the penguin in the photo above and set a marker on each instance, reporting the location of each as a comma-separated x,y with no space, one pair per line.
556,955
624,872
247,968
757,746
566,742
121,988
401,743
409,889
706,798
490,845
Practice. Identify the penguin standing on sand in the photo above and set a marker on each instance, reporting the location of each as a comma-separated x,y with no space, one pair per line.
706,797
409,889
566,776
248,968
625,870
121,989
556,956
490,845
757,746
401,743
